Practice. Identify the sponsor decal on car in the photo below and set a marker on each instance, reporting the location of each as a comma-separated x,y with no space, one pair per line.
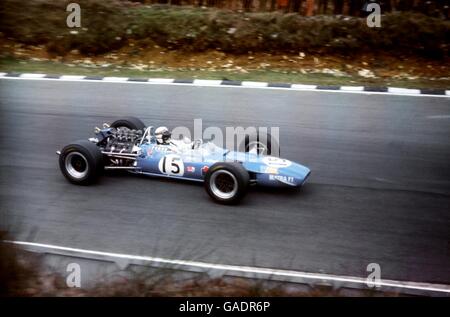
205,169
190,169
269,170
276,162
162,148
149,151
288,180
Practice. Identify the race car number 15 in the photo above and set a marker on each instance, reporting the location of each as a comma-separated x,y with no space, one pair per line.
171,165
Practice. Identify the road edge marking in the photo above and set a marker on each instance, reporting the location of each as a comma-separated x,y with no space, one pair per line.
268,273
393,91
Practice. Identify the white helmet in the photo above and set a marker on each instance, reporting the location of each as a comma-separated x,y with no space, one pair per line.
162,135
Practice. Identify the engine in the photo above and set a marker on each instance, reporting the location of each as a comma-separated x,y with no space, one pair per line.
120,146
123,141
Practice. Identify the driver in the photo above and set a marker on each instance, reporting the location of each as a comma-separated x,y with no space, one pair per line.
163,135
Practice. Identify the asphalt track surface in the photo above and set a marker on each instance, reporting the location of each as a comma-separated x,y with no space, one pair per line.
379,190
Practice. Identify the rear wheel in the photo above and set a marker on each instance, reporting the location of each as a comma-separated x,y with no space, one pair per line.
131,123
227,183
81,162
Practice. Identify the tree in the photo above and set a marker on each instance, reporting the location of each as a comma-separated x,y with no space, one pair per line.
310,7
296,5
273,5
262,5
323,6
356,6
247,4
338,6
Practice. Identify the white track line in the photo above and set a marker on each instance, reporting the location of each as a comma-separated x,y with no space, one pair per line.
245,85
353,88
202,82
254,84
161,80
115,79
71,77
303,87
32,75
245,269
403,91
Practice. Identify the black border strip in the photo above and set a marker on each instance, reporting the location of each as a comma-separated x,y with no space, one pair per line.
376,89
52,76
432,91
279,85
183,81
227,82
328,87
94,77
13,74
138,79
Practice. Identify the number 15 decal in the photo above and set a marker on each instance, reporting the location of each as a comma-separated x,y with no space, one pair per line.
171,164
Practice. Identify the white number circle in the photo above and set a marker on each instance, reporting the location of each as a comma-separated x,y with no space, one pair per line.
171,164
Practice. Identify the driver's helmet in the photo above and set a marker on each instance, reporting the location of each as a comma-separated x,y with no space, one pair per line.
162,135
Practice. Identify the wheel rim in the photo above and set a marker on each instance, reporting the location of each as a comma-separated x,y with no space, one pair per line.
76,165
257,147
223,184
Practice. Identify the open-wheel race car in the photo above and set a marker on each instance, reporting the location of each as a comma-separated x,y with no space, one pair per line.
128,144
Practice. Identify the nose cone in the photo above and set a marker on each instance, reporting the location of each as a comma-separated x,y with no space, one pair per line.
293,175
298,171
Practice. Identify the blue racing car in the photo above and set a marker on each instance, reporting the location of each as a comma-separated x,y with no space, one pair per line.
129,144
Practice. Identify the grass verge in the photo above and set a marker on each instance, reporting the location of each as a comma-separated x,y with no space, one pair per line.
264,75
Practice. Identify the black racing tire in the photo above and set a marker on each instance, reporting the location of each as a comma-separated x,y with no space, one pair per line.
269,144
227,182
131,123
81,162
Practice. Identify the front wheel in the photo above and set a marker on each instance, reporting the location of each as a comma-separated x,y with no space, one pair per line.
227,183
81,162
